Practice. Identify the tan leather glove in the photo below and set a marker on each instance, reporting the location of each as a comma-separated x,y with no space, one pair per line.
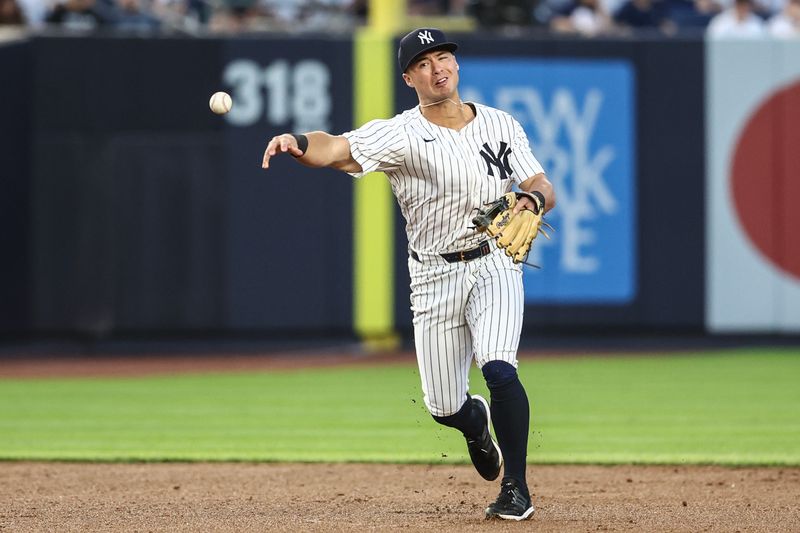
514,233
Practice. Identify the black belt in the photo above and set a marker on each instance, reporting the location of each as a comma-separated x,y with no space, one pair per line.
465,255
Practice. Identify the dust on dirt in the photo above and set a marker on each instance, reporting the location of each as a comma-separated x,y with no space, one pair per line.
372,497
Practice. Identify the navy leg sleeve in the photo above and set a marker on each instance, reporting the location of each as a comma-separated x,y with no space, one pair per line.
510,417
468,420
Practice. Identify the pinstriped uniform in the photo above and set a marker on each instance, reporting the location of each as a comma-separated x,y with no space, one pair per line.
463,310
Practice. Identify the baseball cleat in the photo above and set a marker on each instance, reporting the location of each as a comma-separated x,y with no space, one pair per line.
484,451
511,504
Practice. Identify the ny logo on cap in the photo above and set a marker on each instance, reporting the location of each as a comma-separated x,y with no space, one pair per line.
425,37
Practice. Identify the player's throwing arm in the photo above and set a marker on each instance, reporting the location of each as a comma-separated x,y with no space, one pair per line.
313,149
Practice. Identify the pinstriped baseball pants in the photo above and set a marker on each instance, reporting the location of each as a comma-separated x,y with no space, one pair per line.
463,311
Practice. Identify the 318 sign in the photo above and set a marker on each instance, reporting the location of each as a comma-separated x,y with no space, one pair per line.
294,96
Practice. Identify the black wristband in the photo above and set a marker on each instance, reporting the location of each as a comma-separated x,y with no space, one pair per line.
302,144
540,197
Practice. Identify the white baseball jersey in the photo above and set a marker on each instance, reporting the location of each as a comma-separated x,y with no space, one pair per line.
440,176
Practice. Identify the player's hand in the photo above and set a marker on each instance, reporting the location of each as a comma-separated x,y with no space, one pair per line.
523,202
281,144
531,201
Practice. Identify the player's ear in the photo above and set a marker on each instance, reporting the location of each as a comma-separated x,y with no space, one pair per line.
407,79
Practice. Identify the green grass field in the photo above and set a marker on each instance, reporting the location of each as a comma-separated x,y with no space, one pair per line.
735,407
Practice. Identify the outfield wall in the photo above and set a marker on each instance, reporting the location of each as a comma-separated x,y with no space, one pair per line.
127,207
149,213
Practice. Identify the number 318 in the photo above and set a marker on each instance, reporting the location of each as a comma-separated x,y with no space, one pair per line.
299,93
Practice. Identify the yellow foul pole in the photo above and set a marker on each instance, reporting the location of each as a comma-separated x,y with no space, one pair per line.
373,204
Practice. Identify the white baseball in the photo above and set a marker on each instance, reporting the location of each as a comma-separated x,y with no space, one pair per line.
220,103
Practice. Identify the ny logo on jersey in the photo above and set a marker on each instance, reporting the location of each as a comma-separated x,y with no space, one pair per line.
425,37
500,160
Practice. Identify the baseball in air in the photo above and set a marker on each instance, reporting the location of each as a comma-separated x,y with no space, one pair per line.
220,103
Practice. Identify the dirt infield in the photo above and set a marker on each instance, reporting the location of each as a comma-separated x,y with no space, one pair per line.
362,497
40,366
323,497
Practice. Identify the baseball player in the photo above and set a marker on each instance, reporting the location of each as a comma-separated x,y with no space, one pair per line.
445,160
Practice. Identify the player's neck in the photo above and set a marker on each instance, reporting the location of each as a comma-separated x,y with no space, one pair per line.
448,112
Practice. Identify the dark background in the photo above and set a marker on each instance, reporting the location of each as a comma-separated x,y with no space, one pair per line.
128,207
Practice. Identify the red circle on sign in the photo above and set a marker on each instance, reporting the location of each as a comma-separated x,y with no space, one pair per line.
766,179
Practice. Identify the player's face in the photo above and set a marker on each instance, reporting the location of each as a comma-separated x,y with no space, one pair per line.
434,75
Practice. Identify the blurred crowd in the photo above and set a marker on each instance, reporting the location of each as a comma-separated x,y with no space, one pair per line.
588,18
716,18
186,16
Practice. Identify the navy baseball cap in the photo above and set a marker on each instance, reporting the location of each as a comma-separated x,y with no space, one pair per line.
419,41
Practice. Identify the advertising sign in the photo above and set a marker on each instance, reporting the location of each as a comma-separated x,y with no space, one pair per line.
579,116
753,267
